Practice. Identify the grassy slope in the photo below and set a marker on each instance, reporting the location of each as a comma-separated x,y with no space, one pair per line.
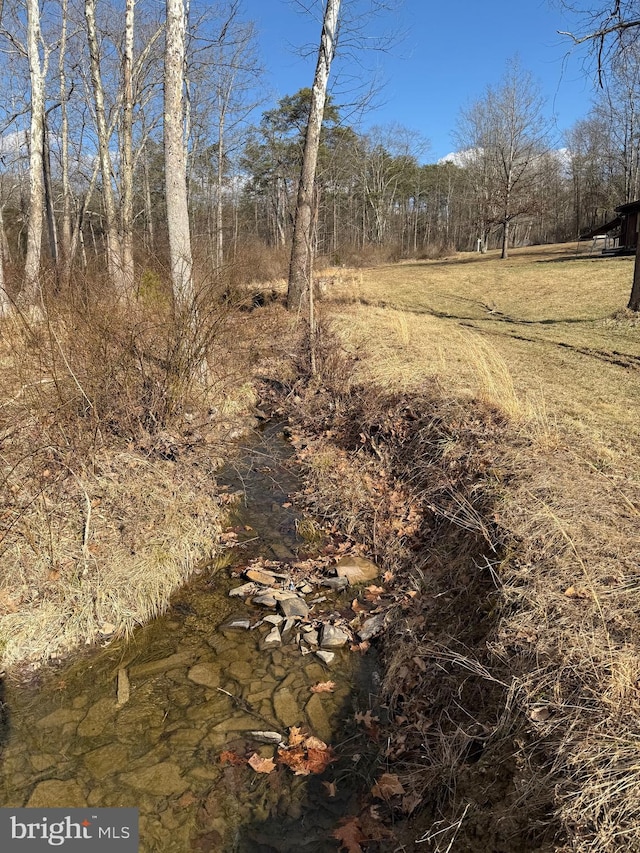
542,338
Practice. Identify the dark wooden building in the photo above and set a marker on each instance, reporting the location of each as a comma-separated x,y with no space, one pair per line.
619,236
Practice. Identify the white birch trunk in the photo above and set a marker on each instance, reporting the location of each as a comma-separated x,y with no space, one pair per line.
302,249
31,292
175,158
114,250
65,226
127,150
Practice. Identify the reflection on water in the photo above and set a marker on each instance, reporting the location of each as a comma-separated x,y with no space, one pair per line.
196,689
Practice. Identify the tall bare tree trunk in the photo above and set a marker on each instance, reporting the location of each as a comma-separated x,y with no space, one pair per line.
66,257
127,150
220,181
114,249
175,158
302,249
31,291
5,302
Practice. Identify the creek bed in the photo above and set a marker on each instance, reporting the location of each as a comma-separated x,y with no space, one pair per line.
197,688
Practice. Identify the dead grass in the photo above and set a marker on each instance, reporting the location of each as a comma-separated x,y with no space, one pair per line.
110,434
541,341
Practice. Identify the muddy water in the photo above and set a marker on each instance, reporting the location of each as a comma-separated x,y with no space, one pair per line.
196,688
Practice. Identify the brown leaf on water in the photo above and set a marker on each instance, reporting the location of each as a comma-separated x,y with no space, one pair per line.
367,719
387,786
261,765
349,834
323,687
296,736
230,757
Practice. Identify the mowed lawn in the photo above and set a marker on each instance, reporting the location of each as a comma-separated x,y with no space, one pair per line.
542,334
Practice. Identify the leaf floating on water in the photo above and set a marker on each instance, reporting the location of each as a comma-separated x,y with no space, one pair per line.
323,687
261,765
230,757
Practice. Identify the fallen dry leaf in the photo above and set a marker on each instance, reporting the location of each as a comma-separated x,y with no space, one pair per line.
296,736
230,757
261,765
577,592
388,576
331,788
387,786
539,715
357,607
367,719
349,834
323,687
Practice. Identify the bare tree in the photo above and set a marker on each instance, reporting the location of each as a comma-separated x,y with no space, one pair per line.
610,31
301,251
37,73
505,135
114,247
175,157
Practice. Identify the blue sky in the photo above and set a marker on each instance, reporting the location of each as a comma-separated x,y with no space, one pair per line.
450,52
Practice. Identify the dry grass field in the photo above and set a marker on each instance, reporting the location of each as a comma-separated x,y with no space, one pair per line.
543,341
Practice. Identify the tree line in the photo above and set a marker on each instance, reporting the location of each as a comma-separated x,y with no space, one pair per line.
134,133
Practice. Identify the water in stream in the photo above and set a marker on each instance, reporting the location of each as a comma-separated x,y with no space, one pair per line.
196,689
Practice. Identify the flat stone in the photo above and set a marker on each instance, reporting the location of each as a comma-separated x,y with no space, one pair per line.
186,737
42,760
98,716
274,619
155,667
306,588
314,672
311,638
206,674
272,639
357,569
240,624
284,594
261,577
106,760
243,591
288,627
267,737
59,718
237,723
326,657
333,637
241,670
337,583
318,718
265,599
54,793
371,627
286,707
295,607
124,687
163,779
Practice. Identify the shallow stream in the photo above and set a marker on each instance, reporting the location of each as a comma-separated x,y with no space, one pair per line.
196,689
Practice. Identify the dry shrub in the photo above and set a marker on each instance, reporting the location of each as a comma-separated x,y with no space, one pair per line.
111,427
